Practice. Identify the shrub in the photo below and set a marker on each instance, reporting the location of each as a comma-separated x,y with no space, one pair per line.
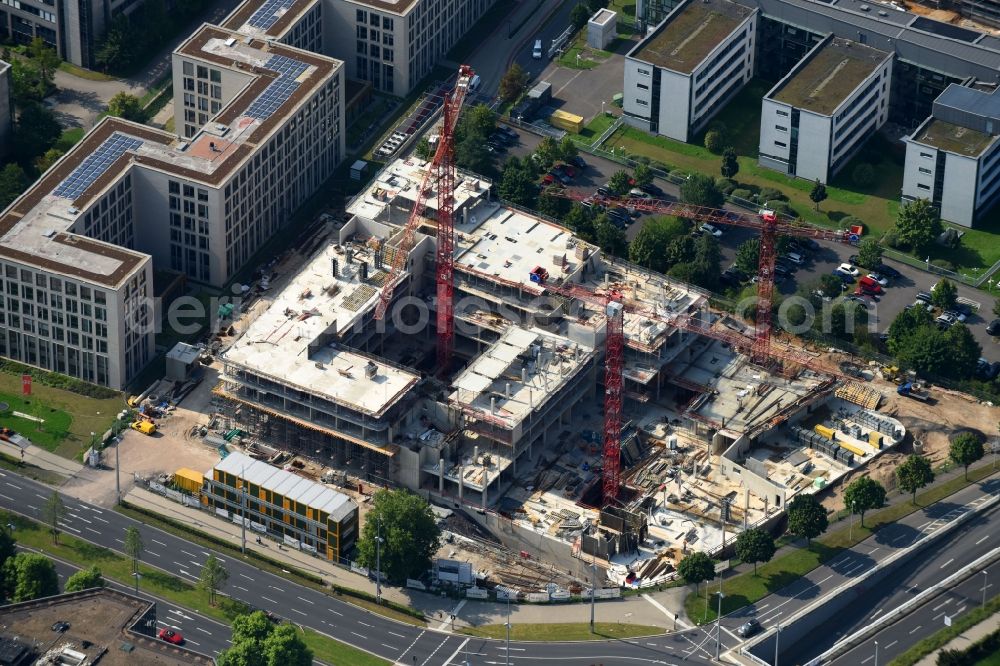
662,166
863,175
726,185
943,263
782,207
642,159
849,221
714,141
741,193
891,238
55,380
771,194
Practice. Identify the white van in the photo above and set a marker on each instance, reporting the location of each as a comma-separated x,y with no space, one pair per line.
474,82
536,52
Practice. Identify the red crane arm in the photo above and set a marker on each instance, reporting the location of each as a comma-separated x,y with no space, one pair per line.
444,148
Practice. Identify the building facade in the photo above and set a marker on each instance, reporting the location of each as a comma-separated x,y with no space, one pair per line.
953,159
682,74
817,117
305,514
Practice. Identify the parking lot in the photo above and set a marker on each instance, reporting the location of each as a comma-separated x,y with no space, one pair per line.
898,294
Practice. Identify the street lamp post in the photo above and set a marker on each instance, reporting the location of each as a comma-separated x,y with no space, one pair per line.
718,629
593,590
243,510
118,478
137,576
378,564
507,658
876,653
777,638
985,578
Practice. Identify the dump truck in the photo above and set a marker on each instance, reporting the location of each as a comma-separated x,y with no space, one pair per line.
913,390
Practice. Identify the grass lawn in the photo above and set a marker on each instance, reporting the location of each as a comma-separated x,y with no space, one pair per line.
117,567
748,588
580,56
592,130
577,631
73,415
626,15
69,138
82,73
992,660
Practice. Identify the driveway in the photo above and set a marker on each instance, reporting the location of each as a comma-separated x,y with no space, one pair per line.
900,292
79,102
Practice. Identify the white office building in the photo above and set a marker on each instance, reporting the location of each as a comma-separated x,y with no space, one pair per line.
681,74
953,158
816,118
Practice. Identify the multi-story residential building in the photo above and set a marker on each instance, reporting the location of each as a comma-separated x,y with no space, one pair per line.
816,117
78,247
953,158
305,514
681,75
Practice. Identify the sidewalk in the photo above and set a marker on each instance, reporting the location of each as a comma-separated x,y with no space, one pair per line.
965,639
39,457
631,610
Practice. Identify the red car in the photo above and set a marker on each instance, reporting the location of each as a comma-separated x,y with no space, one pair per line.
170,636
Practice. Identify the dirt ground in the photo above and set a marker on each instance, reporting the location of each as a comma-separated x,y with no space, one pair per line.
928,424
170,448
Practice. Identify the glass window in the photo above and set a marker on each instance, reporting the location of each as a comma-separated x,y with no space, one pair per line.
215,76
202,72
188,69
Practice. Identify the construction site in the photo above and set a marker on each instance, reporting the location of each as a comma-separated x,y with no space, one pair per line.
567,406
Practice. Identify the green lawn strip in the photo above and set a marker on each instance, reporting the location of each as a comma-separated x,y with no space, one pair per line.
75,415
13,464
82,73
593,129
569,631
747,588
332,651
941,638
355,597
741,119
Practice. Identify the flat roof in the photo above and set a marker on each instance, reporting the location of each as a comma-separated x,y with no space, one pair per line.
822,81
288,484
394,6
517,374
318,302
690,33
953,138
36,229
603,16
266,18
102,618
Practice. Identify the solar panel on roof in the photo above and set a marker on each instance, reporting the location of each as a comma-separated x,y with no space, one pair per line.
95,164
280,89
269,13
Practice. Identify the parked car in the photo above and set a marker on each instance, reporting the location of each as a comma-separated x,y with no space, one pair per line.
856,297
853,259
560,175
945,321
844,277
653,190
637,193
923,296
603,192
993,328
809,244
496,146
60,626
710,229
889,272
170,636
848,269
536,50
881,279
578,162
749,628
795,258
958,316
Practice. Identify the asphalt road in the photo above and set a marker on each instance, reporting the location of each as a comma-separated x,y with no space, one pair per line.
547,32
926,618
899,293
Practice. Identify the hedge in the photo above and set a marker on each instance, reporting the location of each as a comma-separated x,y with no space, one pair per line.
56,380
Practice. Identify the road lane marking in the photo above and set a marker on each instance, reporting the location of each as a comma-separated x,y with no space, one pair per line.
10,499
983,539
246,576
916,629
159,542
153,553
276,588
890,644
359,635
942,605
410,647
339,614
268,600
947,563
393,633
296,610
365,624
241,588
431,655
307,601
869,658
875,614
41,496
12,485
204,631
188,554
455,653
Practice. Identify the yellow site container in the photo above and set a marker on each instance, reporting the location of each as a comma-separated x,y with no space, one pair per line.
823,430
856,450
875,439
567,121
189,480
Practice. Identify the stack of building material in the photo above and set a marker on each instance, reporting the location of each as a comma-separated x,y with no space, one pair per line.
359,297
859,394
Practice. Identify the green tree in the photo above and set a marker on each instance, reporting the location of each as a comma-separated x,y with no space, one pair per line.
730,165
696,568
581,220
471,154
29,576
423,149
117,50
705,264
806,517
965,449
27,84
512,83
214,577
567,149
53,511
251,628
547,152
596,5
517,186
862,495
579,16
845,319
258,642
755,545
610,238
13,181
913,474
642,175
649,247
870,253
409,533
45,57
830,285
553,206
944,294
8,546
904,327
84,579
714,141
619,182
37,130
479,121
134,546
748,256
701,190
47,159
285,647
818,193
918,225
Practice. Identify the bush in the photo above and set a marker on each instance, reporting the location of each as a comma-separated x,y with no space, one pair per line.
782,207
740,193
714,141
662,166
891,238
55,380
943,263
726,185
863,175
771,194
849,221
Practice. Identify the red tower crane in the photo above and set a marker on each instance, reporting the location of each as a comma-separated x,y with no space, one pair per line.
440,176
768,223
